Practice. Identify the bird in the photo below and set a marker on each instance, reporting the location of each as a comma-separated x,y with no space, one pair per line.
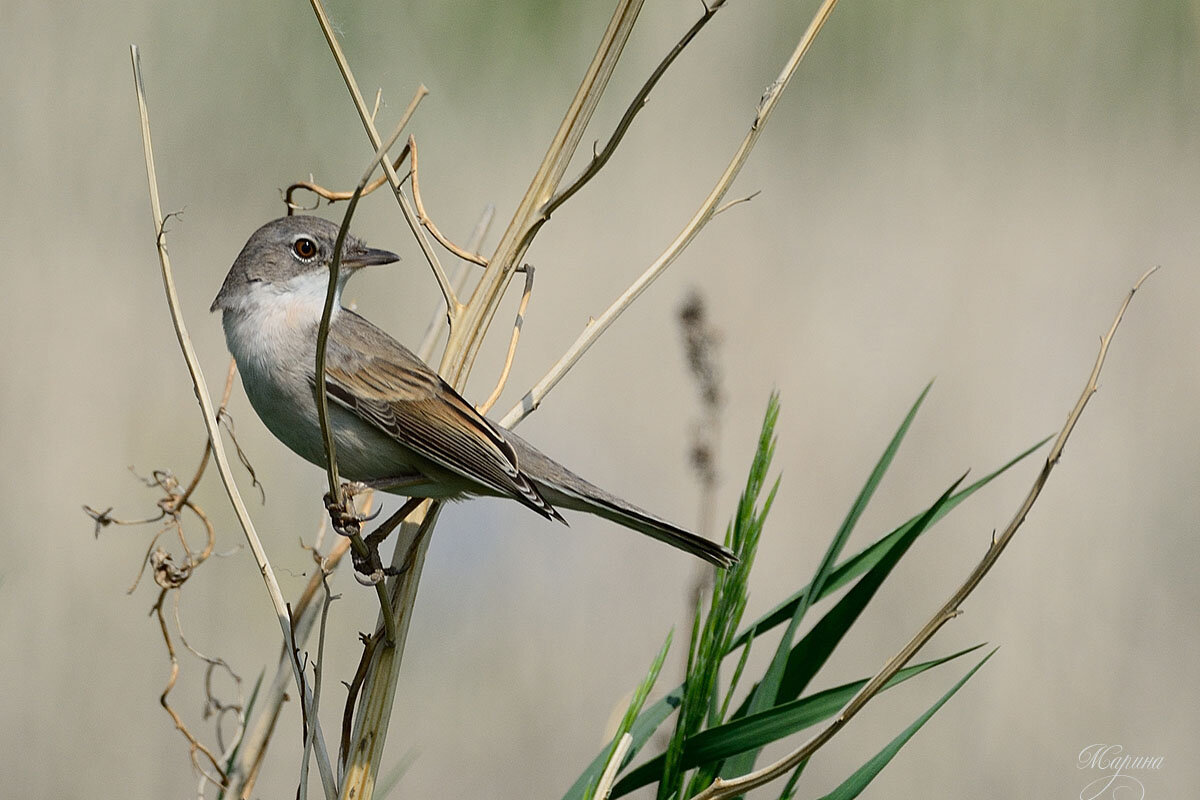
397,424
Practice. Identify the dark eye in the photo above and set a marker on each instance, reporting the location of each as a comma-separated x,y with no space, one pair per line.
304,248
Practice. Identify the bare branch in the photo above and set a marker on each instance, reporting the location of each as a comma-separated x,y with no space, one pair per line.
329,195
601,157
368,121
534,396
464,344
195,747
512,343
465,255
201,390
434,329
604,786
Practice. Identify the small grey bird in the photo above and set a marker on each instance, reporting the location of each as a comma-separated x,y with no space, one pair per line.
397,424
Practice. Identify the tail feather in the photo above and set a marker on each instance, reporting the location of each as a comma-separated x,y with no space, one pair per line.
563,488
630,516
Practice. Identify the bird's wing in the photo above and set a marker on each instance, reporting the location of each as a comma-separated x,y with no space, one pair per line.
382,382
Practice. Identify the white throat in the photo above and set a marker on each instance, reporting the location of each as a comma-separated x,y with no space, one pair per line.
271,324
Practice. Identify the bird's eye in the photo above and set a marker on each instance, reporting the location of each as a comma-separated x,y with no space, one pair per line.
304,248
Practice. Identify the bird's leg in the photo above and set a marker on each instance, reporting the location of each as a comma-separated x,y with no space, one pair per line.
380,534
347,522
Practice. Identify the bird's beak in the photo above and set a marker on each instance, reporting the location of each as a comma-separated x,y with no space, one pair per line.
368,256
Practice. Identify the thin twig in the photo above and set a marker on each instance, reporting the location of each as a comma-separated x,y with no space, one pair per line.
327,315
533,398
368,121
304,613
463,345
318,670
512,343
601,157
462,253
341,512
433,329
329,195
721,788
191,487
194,745
201,389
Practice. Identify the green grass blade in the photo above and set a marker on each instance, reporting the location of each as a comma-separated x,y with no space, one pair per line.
867,772
804,660
753,732
764,695
634,710
859,563
727,604
807,657
642,729
246,712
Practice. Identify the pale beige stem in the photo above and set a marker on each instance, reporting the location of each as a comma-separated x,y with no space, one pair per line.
709,208
512,343
368,121
224,468
433,330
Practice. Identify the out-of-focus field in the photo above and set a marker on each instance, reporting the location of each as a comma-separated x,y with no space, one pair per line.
954,190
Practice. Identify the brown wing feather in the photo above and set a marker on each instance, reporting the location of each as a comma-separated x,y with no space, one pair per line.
385,384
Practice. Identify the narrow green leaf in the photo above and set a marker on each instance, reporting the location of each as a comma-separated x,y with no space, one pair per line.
755,731
641,731
701,698
635,708
859,563
246,712
764,695
854,785
807,658
789,788
803,661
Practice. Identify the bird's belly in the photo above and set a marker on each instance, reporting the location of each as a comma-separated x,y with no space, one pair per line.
364,453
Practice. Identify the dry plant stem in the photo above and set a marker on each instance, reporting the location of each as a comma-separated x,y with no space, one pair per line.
368,121
605,785
708,208
304,613
318,674
346,523
330,195
433,329
462,253
191,487
512,343
210,420
194,745
949,610
378,692
463,345
639,102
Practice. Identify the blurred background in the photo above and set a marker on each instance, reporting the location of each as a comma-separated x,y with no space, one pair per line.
961,191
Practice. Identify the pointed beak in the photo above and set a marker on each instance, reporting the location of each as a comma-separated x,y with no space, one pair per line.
368,256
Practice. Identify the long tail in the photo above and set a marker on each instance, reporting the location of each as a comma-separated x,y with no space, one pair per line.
565,489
